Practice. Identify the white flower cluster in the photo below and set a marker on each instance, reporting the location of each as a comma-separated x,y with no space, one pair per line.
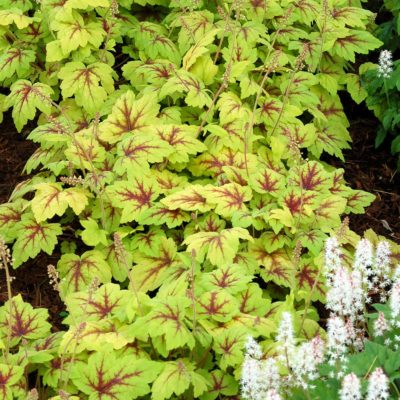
385,67
349,291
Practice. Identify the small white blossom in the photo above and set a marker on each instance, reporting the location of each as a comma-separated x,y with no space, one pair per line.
378,386
272,395
285,333
332,256
363,258
385,67
253,349
394,300
380,325
337,338
351,388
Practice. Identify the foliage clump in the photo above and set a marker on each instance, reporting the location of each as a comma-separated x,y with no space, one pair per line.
178,180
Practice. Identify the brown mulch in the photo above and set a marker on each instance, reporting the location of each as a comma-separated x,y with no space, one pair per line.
367,168
30,279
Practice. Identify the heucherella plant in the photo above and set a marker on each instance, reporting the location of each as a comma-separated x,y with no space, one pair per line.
357,358
177,183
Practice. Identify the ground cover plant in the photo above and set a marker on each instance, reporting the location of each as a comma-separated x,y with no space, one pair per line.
178,181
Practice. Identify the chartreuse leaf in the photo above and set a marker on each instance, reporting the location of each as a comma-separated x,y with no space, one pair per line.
228,344
133,196
228,198
167,320
108,377
129,114
26,98
83,82
93,234
84,4
177,377
16,16
19,320
182,139
51,199
9,376
74,32
138,150
10,214
219,247
223,384
218,305
357,200
191,198
34,237
78,272
154,264
16,61
351,42
108,301
152,39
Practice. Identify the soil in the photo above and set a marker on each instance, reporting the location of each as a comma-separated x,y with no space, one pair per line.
366,168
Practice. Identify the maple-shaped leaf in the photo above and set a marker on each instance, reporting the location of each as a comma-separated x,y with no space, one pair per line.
153,268
51,199
230,278
169,182
313,240
182,139
159,215
228,345
133,196
217,305
83,82
73,32
357,201
16,62
137,151
16,16
10,214
167,320
19,320
222,385
332,138
94,336
148,243
309,281
26,98
78,272
328,212
84,4
152,39
220,247
148,72
348,42
357,92
266,180
129,114
108,301
34,237
191,198
228,198
251,301
10,375
107,377
191,88
176,377
311,176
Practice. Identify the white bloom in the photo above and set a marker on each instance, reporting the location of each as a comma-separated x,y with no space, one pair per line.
350,388
285,332
378,386
385,67
337,337
380,325
253,349
363,258
332,256
272,395
395,299
382,259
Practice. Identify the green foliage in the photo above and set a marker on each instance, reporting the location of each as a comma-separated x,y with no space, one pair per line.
178,154
383,93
